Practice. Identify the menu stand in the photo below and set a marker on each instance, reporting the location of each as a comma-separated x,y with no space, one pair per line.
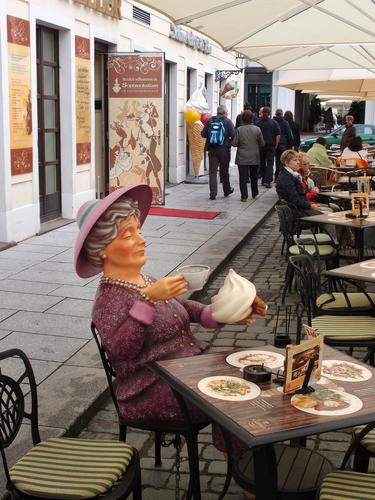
306,388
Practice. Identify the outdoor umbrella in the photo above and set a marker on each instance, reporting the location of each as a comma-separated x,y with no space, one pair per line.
359,83
284,34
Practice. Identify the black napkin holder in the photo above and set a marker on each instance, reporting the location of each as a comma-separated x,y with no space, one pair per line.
257,373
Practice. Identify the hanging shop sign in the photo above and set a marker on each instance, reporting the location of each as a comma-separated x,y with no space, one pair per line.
136,121
83,98
20,115
189,38
110,8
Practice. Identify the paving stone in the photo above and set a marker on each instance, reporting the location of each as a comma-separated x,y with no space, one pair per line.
15,367
88,355
27,301
48,323
74,292
10,285
73,307
6,313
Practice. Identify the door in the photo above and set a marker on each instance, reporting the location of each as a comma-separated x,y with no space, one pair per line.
48,123
166,120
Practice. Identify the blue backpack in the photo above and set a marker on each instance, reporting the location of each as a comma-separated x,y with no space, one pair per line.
216,132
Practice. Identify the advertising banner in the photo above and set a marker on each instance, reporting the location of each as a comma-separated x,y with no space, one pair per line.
20,114
136,121
83,115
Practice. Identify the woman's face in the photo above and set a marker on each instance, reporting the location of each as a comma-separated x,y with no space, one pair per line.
293,164
305,167
127,250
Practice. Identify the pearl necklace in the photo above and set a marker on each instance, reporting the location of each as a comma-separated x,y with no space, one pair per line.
127,284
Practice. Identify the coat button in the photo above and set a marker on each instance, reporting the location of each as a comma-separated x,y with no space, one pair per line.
175,315
183,332
192,344
166,301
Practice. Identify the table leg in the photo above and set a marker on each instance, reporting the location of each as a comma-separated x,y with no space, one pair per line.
265,469
360,243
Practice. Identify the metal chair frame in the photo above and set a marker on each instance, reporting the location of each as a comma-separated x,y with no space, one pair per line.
12,413
187,429
307,286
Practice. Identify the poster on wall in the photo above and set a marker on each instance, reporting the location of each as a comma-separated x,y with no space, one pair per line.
136,121
83,116
20,114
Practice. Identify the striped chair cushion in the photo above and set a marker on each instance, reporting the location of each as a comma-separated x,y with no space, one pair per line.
347,485
369,440
324,250
345,327
336,300
320,238
71,468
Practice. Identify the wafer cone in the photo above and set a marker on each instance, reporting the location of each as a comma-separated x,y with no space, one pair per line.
196,144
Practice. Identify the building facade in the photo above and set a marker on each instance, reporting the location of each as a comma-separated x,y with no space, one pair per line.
54,106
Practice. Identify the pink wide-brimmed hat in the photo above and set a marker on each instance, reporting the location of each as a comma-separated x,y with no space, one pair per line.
91,211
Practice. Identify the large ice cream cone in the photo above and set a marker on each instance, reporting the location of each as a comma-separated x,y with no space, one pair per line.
196,144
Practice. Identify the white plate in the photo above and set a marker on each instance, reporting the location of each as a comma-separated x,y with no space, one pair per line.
207,386
352,403
370,264
252,357
363,372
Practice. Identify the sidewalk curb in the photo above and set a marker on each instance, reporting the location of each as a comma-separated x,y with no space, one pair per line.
81,421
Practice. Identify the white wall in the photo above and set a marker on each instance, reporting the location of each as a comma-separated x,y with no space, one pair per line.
281,97
370,112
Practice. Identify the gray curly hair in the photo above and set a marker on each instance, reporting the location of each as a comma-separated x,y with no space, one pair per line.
107,228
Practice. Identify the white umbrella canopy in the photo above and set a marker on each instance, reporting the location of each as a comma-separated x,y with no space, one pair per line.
284,34
359,83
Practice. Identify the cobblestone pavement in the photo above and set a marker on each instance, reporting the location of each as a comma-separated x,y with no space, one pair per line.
259,260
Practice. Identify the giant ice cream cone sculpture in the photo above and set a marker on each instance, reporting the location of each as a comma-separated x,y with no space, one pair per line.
196,144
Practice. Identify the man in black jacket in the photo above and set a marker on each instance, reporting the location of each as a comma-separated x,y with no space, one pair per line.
288,184
219,156
271,135
349,132
286,139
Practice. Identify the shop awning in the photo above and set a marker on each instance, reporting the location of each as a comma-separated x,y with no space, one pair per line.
359,83
284,34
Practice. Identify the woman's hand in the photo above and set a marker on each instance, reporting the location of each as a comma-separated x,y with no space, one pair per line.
259,308
166,288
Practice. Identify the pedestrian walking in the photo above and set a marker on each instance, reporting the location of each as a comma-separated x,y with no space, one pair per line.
239,121
249,140
349,132
294,127
286,139
271,135
219,132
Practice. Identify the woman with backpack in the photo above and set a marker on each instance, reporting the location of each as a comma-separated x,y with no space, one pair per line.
249,140
219,132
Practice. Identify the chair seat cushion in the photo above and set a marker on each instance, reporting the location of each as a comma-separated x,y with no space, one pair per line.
348,485
336,300
367,441
324,250
71,468
320,238
345,327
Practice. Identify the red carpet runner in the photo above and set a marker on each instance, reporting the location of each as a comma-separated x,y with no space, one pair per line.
177,212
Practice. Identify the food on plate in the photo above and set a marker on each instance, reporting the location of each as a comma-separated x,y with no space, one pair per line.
234,299
229,387
257,359
324,400
343,370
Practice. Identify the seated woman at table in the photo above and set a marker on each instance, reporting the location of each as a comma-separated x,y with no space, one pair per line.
310,187
139,319
288,184
354,154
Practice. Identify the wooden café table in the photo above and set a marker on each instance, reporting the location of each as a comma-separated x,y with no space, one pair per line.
361,271
339,219
343,195
263,421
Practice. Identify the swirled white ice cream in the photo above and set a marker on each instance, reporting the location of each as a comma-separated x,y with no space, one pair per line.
234,299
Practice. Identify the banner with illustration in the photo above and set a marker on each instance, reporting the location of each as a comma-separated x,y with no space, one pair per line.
136,121
83,115
20,114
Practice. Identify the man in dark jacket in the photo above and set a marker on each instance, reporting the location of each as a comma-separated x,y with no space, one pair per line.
271,135
288,185
349,133
286,139
219,156
239,121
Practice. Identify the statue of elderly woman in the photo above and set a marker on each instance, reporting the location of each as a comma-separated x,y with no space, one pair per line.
139,319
